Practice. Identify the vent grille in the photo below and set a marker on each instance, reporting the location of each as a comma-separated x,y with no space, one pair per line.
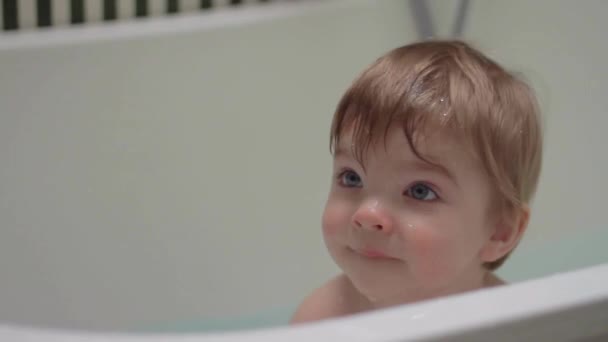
35,14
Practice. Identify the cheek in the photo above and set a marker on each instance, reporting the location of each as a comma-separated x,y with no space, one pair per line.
336,217
427,247
435,254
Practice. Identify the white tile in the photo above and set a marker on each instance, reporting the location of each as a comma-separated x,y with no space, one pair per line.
125,9
27,14
60,12
157,8
189,5
93,10
221,3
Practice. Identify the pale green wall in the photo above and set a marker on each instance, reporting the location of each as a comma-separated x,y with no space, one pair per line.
165,178
159,180
560,46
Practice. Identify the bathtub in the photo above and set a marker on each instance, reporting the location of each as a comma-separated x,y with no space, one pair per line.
162,180
566,307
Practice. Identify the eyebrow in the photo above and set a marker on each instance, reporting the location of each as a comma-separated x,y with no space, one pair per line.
418,164
341,151
422,165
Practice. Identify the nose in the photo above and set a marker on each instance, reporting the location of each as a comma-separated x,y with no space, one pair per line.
370,216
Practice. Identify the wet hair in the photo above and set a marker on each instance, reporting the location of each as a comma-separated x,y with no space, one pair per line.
450,87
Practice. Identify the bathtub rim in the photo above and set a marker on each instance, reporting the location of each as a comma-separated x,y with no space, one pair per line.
550,304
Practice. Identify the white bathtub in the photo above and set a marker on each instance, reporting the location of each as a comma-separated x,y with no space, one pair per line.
566,307
171,173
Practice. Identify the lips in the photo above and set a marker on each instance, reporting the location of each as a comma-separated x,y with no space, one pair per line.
370,253
373,254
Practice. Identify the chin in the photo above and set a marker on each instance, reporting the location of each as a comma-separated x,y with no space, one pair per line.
381,294
378,284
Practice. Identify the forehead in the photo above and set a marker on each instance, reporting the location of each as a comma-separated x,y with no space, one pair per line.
433,146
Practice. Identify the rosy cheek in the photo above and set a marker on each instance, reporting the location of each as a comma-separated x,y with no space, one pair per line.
336,217
428,253
425,242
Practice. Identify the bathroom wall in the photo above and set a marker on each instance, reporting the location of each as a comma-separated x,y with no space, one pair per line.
559,46
178,176
167,178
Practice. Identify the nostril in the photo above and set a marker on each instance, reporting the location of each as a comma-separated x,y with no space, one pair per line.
378,226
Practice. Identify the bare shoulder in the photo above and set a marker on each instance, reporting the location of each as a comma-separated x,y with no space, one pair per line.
492,281
332,299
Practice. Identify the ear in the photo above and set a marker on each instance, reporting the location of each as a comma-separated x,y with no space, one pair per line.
506,234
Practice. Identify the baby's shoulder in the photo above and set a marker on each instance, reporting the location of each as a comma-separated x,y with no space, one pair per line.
332,299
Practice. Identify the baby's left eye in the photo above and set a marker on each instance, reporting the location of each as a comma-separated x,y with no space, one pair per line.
421,192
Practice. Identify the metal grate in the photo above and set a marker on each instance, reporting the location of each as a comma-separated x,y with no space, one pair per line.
31,14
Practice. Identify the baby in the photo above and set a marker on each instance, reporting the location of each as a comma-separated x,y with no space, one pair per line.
436,157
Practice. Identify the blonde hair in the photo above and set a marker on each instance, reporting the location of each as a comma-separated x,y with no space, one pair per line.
449,85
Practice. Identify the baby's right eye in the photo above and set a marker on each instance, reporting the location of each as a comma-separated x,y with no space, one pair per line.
349,179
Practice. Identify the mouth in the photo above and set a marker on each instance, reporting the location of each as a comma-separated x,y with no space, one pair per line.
373,254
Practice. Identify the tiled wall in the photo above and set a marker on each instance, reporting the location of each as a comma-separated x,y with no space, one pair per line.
31,14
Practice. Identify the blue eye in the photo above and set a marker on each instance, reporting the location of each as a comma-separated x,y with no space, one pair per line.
350,179
421,192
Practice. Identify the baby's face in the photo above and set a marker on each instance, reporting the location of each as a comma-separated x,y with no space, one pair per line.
402,229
